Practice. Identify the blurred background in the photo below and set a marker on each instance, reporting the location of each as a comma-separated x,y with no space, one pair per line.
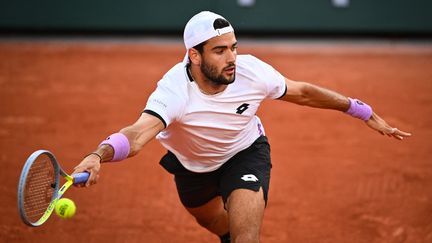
257,17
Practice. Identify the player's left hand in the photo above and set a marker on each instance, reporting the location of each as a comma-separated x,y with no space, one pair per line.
381,126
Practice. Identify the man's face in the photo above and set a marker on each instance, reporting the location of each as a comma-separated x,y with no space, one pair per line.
218,59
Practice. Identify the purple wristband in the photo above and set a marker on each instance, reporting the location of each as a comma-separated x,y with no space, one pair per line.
120,145
359,109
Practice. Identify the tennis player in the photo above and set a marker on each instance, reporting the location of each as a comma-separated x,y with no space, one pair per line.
203,112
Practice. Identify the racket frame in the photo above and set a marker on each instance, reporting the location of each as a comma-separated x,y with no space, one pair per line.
58,193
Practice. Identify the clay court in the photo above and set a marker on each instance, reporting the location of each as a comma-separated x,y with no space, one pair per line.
334,180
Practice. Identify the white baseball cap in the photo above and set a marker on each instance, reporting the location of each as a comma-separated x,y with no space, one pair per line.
200,28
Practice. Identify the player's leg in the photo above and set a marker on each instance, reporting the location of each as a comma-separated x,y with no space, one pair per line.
245,209
212,216
199,194
244,188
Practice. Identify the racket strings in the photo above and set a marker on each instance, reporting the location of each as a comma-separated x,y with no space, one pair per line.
39,189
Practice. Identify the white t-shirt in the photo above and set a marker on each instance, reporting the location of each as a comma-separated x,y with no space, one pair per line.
204,131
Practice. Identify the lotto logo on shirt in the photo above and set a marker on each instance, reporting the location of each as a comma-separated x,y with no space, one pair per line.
242,108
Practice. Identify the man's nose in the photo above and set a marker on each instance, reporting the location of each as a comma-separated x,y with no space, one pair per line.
231,56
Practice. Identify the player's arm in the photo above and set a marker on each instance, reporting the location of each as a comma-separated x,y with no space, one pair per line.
303,93
134,138
138,134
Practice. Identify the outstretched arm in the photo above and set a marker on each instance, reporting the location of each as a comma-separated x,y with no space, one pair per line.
307,94
137,134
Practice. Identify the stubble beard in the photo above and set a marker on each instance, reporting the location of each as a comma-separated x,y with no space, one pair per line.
211,73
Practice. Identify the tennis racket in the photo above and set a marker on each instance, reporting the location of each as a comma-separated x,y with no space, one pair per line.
39,187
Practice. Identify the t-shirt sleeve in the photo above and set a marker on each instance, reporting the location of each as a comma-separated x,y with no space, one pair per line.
164,103
274,81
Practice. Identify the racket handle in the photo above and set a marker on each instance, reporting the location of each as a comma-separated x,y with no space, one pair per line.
81,177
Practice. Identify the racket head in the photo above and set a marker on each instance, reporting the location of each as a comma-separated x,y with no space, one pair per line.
38,186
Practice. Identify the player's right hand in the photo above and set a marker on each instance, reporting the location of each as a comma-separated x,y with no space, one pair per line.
91,164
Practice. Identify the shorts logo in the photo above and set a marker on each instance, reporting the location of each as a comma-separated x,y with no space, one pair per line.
249,177
242,108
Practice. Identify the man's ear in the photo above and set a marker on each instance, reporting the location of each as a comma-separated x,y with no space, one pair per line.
194,56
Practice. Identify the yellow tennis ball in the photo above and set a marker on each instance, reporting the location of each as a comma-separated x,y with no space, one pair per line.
65,208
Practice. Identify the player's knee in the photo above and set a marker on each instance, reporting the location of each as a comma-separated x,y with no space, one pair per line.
204,222
207,222
247,236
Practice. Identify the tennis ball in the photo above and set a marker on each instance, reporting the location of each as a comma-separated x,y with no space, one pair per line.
65,208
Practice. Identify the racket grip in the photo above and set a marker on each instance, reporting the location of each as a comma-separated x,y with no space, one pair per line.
81,177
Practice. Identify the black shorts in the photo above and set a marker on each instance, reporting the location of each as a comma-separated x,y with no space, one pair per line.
248,169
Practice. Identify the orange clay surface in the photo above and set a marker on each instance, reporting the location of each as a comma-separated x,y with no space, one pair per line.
334,180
